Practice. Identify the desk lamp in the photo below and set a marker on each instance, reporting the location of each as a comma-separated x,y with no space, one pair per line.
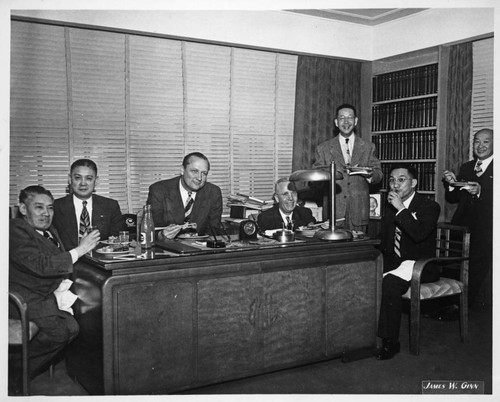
323,175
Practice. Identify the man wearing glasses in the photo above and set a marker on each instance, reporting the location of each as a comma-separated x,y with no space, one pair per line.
408,233
350,151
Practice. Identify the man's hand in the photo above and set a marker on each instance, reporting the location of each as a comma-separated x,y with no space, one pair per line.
473,187
88,242
171,231
395,200
449,177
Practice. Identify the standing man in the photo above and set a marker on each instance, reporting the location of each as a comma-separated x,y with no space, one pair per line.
286,212
38,264
188,198
472,189
81,208
349,150
408,233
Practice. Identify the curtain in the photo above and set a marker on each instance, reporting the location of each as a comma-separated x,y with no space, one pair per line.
459,96
322,85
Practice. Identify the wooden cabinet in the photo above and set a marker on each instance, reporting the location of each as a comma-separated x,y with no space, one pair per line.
161,326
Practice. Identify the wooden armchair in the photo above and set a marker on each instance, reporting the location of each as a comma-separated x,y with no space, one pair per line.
452,253
21,331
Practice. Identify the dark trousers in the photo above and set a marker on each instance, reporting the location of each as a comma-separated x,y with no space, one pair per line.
55,332
393,287
480,264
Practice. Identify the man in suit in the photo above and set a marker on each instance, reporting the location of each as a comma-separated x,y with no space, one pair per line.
475,208
188,198
349,150
80,210
286,213
38,263
408,233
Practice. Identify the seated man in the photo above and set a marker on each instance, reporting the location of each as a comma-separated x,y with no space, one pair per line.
286,212
82,209
188,198
408,233
38,264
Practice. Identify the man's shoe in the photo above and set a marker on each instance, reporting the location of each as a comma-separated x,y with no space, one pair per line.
388,350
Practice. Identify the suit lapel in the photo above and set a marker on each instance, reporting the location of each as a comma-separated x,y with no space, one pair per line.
336,150
68,211
356,151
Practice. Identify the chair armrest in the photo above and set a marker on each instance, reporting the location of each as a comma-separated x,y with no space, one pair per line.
21,305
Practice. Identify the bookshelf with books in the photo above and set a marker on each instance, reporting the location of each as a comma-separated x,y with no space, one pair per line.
404,121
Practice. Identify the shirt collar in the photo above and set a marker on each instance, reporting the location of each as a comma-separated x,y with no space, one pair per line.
408,201
184,192
79,202
486,162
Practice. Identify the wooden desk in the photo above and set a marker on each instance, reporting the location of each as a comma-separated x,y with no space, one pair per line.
165,325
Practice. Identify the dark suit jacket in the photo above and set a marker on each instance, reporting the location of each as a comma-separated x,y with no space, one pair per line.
271,218
418,226
106,215
472,211
352,192
168,208
36,267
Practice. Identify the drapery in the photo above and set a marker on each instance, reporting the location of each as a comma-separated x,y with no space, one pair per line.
459,100
322,85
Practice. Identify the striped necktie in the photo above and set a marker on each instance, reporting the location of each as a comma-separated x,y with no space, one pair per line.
478,169
84,219
348,153
189,207
49,236
397,242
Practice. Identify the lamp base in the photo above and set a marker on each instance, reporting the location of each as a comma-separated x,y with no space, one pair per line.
335,235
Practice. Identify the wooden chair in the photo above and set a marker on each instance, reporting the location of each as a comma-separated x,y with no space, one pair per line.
21,331
452,253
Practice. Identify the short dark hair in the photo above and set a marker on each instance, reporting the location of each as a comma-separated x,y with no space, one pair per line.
187,158
412,171
84,162
31,191
345,106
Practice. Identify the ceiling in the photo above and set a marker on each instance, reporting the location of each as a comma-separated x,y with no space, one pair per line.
364,16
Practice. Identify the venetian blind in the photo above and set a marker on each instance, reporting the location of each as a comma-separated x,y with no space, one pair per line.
482,86
38,109
136,105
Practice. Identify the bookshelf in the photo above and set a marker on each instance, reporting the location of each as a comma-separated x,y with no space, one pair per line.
404,121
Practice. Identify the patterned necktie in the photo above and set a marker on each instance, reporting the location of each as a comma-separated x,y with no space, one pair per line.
397,242
188,208
288,223
478,169
348,153
84,219
49,236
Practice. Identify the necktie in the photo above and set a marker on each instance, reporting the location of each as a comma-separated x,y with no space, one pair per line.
478,169
84,219
397,242
49,236
288,223
188,208
348,160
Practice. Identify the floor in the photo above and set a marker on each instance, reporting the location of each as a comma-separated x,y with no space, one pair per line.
442,357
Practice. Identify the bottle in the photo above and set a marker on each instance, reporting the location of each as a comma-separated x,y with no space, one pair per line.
147,231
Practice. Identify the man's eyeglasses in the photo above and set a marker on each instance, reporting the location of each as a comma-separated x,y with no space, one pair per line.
399,180
346,118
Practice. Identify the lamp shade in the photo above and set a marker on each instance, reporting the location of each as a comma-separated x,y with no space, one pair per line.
313,175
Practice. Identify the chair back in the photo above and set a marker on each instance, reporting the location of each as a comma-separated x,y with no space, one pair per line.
14,212
454,241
